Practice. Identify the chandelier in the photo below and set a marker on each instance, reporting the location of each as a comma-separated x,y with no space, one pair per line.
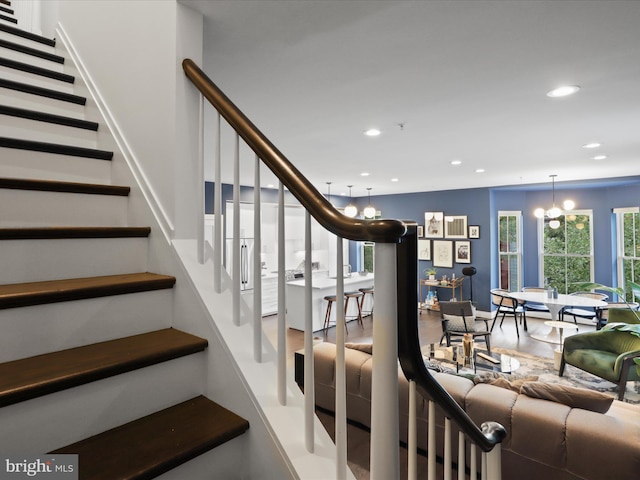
350,210
554,212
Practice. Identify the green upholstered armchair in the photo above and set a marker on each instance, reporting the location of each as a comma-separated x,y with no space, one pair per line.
608,354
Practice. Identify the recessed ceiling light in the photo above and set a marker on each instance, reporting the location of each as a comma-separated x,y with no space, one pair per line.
395,180
600,157
456,162
372,132
591,145
563,91
364,174
479,170
271,185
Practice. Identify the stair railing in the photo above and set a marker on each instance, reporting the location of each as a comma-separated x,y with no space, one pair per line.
395,322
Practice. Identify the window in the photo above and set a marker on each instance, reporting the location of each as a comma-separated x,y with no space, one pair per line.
366,254
628,247
510,250
567,252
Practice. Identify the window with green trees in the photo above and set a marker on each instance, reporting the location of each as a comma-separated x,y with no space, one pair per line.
567,251
628,236
510,250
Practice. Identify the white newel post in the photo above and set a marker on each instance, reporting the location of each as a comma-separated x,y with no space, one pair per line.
384,383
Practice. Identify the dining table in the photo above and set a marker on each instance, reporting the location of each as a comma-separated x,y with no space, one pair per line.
555,304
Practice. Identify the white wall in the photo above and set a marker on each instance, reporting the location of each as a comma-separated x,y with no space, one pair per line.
132,52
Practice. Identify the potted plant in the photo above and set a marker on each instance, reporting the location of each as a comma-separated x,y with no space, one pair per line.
431,273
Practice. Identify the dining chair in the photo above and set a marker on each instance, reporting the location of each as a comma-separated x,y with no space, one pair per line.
533,306
507,305
583,312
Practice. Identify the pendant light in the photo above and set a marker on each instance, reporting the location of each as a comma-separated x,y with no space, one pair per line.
369,211
329,191
350,210
554,212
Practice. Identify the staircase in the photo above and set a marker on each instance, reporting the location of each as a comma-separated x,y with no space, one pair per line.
89,361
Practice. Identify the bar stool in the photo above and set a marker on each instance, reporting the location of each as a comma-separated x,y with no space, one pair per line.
358,298
327,317
366,291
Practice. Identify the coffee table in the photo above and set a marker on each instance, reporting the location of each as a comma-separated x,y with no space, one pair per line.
501,363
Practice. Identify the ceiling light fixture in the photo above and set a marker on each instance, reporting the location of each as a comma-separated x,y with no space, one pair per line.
554,212
350,210
600,157
364,174
563,91
369,211
456,162
329,191
591,145
479,170
395,179
372,132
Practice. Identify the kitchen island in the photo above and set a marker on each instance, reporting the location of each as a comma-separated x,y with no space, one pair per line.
320,288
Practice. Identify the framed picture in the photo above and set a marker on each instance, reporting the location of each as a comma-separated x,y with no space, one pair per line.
433,224
474,231
463,251
442,253
420,231
424,249
455,226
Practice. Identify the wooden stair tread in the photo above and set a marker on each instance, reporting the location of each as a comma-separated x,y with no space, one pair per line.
33,233
31,51
48,118
152,445
55,148
52,291
42,72
24,34
42,92
63,187
32,377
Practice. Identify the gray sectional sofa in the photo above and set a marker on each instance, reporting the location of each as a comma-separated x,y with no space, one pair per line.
545,439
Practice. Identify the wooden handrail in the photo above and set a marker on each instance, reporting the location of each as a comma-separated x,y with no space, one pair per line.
410,355
384,231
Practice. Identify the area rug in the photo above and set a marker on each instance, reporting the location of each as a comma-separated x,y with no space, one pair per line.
546,372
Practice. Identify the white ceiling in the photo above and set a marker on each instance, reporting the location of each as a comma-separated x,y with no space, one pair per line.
465,79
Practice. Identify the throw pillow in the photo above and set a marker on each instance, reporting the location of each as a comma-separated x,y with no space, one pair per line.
456,323
570,396
363,347
488,377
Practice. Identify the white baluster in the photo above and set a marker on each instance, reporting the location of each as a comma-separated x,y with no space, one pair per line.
461,459
473,459
282,308
494,463
341,383
412,440
217,212
200,211
384,383
447,449
257,265
431,442
309,384
236,233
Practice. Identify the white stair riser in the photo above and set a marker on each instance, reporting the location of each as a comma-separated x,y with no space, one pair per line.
46,423
14,98
30,331
33,79
50,166
27,43
31,59
228,461
39,260
39,131
21,208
